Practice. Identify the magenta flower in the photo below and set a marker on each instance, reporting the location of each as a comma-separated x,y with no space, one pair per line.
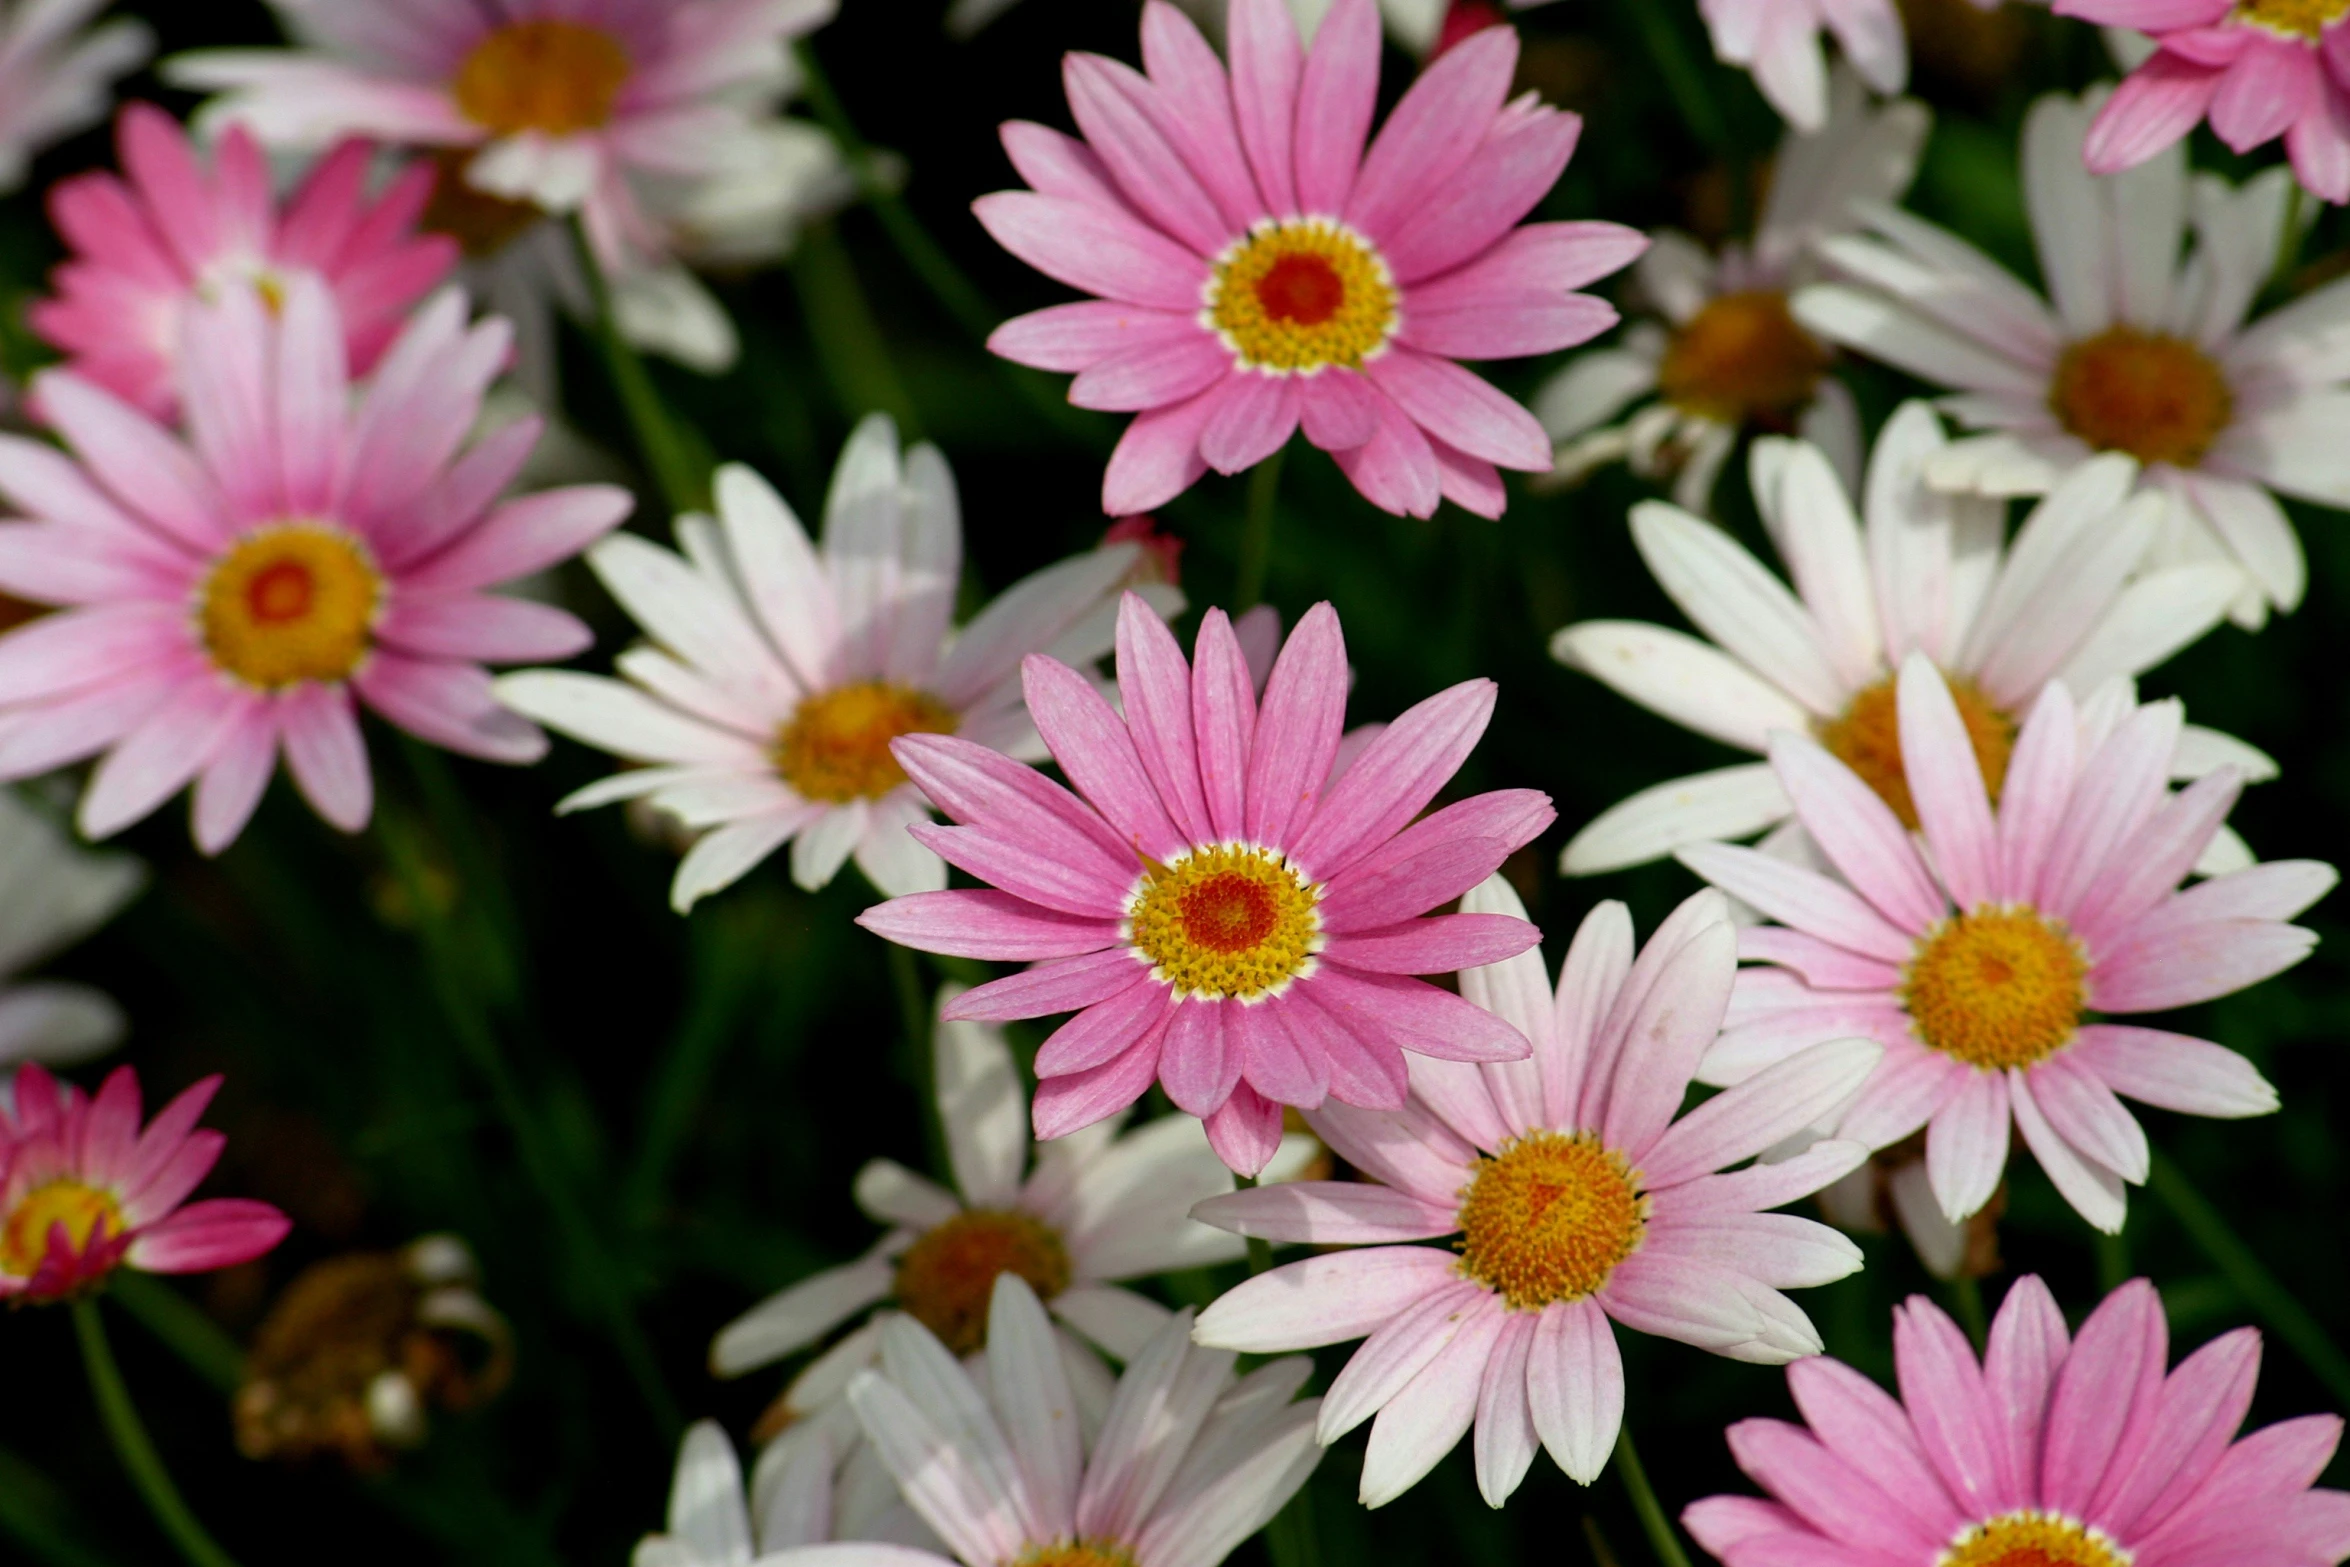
2259,69
2052,1451
1257,270
85,1191
1221,910
230,595
150,246
1982,963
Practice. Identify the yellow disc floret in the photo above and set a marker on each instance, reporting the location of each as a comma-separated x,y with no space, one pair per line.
946,1277
87,1213
290,603
1742,357
1076,1553
1227,922
2032,1538
2157,397
554,77
836,747
1997,987
1866,737
2294,18
1548,1218
1301,295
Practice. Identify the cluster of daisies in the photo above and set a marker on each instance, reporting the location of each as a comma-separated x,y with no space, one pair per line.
287,470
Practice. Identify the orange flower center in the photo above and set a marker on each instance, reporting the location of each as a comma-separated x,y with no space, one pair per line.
1300,295
88,1214
1742,357
2294,18
1548,1218
290,603
2031,1538
1866,737
946,1278
2159,398
480,223
1077,1553
555,77
1230,922
836,747
1997,987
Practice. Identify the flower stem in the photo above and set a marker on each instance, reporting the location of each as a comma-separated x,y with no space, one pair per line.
1684,79
131,1443
847,337
2269,1300
1966,1304
1260,1250
668,459
1653,1520
914,1012
1256,533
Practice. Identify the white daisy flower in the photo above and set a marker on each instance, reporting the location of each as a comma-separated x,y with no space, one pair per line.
2070,599
714,1522
2138,349
1727,355
53,892
56,79
777,672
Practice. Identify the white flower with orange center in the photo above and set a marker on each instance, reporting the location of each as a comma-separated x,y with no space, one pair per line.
2142,348
1728,358
777,672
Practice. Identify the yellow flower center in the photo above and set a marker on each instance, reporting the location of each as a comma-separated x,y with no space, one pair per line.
1997,987
290,603
836,747
1742,358
1548,1218
1300,295
557,77
946,1277
1077,1553
1866,737
2159,398
2294,18
87,1213
2031,1538
480,223
1230,921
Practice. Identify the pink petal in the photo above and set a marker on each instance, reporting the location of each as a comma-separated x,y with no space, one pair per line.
2181,966
1416,1015
985,925
2083,1111
59,654
1327,1299
1254,417
110,1129
481,627
1858,832
1266,64
1096,751
524,536
1245,1131
154,760
2028,1342
1367,1067
1475,206
326,755
1107,1029
1094,249
2039,786
1108,100
1575,1387
1440,944
1901,1096
2271,85
202,1236
2172,1071
1091,331
1286,1068
1802,898
1966,1144
972,783
1462,410
1328,1213
230,787
1946,782
1429,135
2198,1411
1200,1060
1396,469
1157,458
1508,326
1338,409
1224,721
1768,1108
1858,1422
2107,1386
2161,856
1950,1409
1823,965
1406,1148
1072,1103
1395,1354
1298,726
1395,778
1155,373
1067,985
1077,889
1156,688
1428,1416
1058,165
1336,93
2160,102
1193,108
142,467
2319,143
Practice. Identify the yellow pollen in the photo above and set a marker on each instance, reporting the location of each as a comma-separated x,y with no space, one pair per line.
480,223
1076,1553
1866,737
2294,18
836,747
946,1277
1300,295
1229,921
556,77
1742,358
2032,1538
1996,987
2159,398
87,1214
1548,1218
290,603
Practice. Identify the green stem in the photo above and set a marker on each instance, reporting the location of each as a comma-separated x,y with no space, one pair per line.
183,1328
914,1006
2113,1261
1685,80
2269,1300
2289,239
668,459
848,339
1256,533
1653,1520
132,1446
1290,1538
1966,1304
1260,1250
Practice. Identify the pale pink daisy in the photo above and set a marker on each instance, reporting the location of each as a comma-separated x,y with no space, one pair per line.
238,592
83,1190
168,233
54,78
1258,270
1779,41
1189,1461
715,1521
1982,962
1221,914
2052,1450
2142,347
780,671
1578,1198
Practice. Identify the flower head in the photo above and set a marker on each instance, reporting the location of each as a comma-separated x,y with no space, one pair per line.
1779,41
1257,270
167,234
715,1522
53,893
235,594
1983,963
779,673
83,1190
2054,1450
1578,1198
56,79
1223,912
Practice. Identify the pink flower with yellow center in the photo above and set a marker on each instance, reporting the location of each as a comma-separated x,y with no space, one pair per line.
1258,271
167,234
235,594
86,1191
1226,911
2052,1450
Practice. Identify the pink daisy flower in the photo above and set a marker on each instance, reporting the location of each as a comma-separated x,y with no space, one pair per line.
1221,912
1981,963
2052,1451
1258,270
235,593
1578,1199
85,1191
2258,69
149,247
